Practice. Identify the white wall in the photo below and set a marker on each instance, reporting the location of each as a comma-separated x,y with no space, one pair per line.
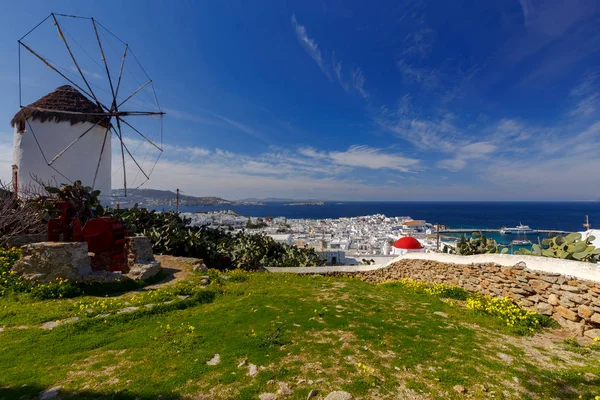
77,163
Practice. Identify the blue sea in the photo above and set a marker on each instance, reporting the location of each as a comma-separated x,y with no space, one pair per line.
565,216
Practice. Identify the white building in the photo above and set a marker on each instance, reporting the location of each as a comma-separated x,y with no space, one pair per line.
46,128
407,244
283,238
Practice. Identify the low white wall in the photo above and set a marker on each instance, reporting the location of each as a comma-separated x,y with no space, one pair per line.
581,270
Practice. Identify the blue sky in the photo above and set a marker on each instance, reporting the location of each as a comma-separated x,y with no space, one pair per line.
351,100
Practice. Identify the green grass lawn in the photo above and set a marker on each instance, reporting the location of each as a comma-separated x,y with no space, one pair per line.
310,332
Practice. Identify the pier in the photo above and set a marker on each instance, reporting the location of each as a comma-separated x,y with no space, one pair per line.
471,230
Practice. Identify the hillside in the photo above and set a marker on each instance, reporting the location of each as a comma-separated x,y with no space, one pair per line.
155,197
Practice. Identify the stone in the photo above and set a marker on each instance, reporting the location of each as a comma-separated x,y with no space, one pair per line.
441,314
200,267
537,284
46,261
595,318
50,393
242,363
267,396
204,281
460,389
284,389
505,357
592,333
585,312
568,314
573,298
127,310
139,250
311,394
252,370
215,360
141,272
50,325
338,395
548,278
569,288
544,308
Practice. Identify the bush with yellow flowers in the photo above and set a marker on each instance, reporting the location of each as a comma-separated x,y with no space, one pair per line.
519,320
433,289
9,281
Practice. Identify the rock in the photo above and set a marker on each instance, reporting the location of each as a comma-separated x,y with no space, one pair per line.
569,288
592,333
284,389
505,357
242,363
300,382
585,312
338,395
50,393
50,325
127,310
537,284
544,308
553,299
252,370
312,394
141,272
225,277
204,281
568,314
46,261
200,267
267,396
215,360
595,318
460,389
139,250
441,314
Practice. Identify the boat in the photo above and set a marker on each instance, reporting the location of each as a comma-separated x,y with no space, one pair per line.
518,229
520,242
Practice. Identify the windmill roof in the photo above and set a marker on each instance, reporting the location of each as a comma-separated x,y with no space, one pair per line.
52,108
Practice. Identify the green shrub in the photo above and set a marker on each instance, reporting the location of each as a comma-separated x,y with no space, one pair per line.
60,288
171,234
517,319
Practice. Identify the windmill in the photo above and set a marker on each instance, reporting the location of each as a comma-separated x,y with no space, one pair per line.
104,95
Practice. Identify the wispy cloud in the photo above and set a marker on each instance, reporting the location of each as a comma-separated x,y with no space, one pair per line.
310,46
418,43
333,69
358,81
586,96
429,78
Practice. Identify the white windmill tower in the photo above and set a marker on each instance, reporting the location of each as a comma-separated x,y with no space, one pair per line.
66,135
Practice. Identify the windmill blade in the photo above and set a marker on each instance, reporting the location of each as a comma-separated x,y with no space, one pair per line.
75,141
100,158
60,33
139,133
112,89
52,67
135,92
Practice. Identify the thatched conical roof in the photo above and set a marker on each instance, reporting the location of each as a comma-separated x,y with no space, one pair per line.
63,98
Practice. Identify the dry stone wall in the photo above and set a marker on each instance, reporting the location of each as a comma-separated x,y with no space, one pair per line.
573,303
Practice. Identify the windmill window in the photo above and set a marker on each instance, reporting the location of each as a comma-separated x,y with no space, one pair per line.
21,126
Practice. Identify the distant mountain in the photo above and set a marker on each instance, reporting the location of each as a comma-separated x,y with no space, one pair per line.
155,197
266,200
277,200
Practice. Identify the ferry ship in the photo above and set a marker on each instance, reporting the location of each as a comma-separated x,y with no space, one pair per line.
524,229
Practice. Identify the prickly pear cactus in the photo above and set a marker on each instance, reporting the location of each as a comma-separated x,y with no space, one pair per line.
570,247
478,243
